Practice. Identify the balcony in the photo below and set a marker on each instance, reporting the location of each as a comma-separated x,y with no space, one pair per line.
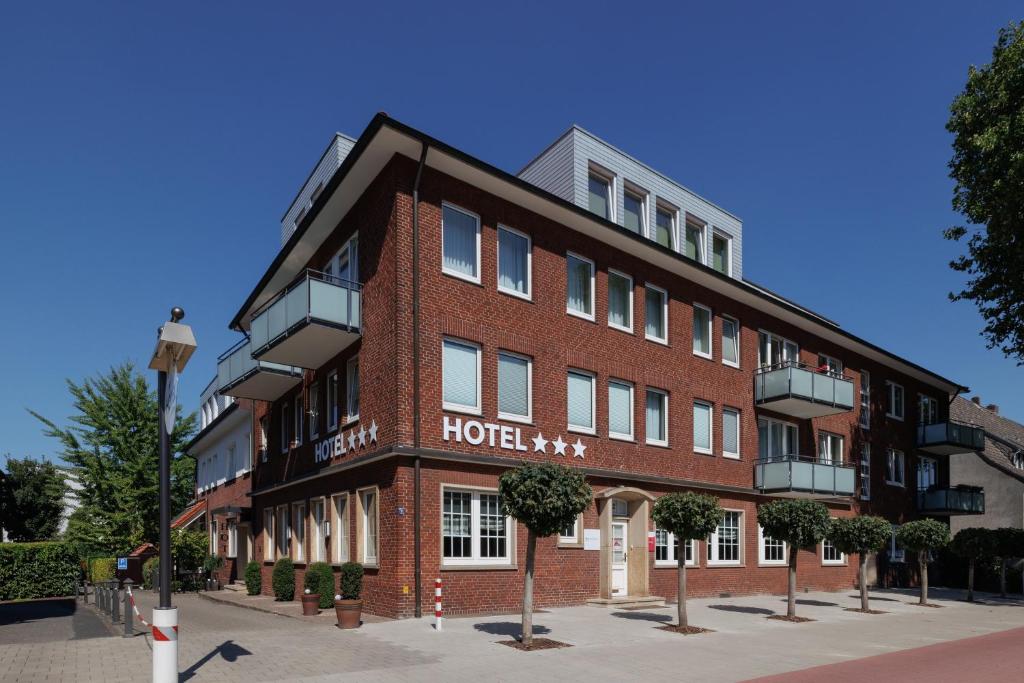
959,500
309,322
241,376
794,389
802,474
950,438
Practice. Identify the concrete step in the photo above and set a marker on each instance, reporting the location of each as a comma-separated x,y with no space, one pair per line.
628,601
235,586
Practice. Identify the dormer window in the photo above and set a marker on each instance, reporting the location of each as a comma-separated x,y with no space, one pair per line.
694,243
721,253
599,194
634,211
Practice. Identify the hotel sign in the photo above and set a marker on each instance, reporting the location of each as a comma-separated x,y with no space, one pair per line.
505,437
340,444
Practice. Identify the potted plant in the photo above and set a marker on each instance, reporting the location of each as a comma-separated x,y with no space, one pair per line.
347,604
319,587
211,565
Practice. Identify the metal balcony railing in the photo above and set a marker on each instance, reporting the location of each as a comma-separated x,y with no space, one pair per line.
804,474
957,500
950,437
799,390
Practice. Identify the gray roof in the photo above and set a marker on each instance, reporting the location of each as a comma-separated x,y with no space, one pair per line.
1003,436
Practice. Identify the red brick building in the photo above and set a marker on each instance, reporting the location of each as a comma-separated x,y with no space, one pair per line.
432,321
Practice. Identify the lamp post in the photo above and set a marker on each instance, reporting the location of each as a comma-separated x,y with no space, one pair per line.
174,346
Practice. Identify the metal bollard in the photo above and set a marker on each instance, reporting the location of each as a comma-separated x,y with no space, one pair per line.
99,596
115,611
112,585
128,615
108,606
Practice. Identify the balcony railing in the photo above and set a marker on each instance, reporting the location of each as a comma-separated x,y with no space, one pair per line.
242,376
958,500
795,389
308,322
804,474
949,438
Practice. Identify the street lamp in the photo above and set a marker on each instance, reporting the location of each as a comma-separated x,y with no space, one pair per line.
174,346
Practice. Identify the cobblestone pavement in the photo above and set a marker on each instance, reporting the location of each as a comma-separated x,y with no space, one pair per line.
227,643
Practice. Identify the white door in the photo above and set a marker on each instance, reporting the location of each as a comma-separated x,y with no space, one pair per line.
618,558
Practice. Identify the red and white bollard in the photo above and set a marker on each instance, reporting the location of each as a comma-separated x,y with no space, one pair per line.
438,614
165,645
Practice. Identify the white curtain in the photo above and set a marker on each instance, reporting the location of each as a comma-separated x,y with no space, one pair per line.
654,313
655,416
460,239
580,274
618,301
512,254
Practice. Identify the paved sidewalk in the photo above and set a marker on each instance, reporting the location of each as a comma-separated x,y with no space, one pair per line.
265,603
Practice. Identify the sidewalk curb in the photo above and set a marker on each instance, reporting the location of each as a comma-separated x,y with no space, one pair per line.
203,595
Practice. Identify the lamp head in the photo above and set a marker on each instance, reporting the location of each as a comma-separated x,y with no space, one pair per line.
177,313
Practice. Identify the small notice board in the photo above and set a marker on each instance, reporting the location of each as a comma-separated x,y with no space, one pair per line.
591,539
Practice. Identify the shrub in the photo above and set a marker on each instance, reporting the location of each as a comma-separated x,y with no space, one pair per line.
973,544
283,579
150,572
351,581
101,569
212,563
253,578
320,579
37,570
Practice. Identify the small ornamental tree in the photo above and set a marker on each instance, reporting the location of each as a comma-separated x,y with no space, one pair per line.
923,536
973,544
544,498
1008,544
253,578
282,580
799,522
861,536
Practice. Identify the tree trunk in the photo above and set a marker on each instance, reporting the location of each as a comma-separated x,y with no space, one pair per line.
922,559
531,547
1002,577
970,580
681,598
791,601
864,581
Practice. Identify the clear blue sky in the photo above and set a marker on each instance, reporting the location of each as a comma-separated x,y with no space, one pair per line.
148,153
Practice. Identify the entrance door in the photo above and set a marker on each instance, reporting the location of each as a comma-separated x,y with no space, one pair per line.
619,558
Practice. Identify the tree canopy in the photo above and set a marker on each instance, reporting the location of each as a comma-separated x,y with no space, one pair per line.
545,498
687,515
923,534
799,522
988,169
973,543
859,535
31,500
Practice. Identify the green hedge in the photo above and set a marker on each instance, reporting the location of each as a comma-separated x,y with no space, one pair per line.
253,578
101,569
37,570
282,579
320,579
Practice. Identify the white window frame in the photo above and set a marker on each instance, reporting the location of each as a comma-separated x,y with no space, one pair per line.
364,545
736,326
762,547
512,417
298,525
455,273
643,196
891,388
825,561
710,329
672,559
834,365
269,539
673,227
318,544
712,543
890,467
864,471
577,532
458,407
702,244
710,450
299,422
739,431
339,512
593,288
933,409
631,435
826,438
476,560
921,460
629,305
529,264
896,555
775,340
609,179
664,313
213,537
314,411
728,249
333,403
283,532
352,372
593,402
865,399
664,418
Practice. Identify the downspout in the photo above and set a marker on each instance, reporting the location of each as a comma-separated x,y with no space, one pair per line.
416,505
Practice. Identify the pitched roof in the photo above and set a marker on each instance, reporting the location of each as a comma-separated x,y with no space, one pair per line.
1003,436
189,515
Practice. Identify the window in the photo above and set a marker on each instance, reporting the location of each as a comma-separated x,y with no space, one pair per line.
570,535
724,542
702,330
314,411
299,535
665,227
368,522
830,448
268,534
655,313
580,293
927,473
721,252
634,212
776,440
332,401
352,389
599,195
213,537
620,301
702,427
730,341
514,267
865,471
770,551
896,552
344,266
460,236
264,435
460,369
620,410
515,387
285,441
830,554
232,461
830,365
666,550
927,410
297,427
773,350
581,398
284,532
319,548
730,433
895,407
657,417
694,246
473,530
339,529
894,468
865,399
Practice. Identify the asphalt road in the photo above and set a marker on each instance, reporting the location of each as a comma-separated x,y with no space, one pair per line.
45,621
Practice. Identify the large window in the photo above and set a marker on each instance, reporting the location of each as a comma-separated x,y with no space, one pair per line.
894,471
345,264
830,448
284,532
620,410
460,370
333,412
581,395
268,534
730,433
865,399
620,301
580,286
894,409
702,330
473,530
724,543
730,341
773,350
339,528
460,243
514,267
352,389
264,437
865,471
319,538
599,194
657,417
299,533
655,313
314,411
634,214
665,227
721,253
694,244
927,410
368,525
896,551
285,419
213,537
830,554
770,551
776,439
702,427
515,387
927,473
666,550
297,426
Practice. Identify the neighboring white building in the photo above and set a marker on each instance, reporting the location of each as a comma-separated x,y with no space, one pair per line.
222,451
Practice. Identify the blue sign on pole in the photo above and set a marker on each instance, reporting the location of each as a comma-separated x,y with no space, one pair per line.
122,563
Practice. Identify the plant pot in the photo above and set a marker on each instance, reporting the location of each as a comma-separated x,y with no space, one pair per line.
349,613
310,604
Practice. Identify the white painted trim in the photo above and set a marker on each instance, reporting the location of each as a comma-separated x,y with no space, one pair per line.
351,417
333,412
664,310
593,288
739,431
629,304
710,450
674,561
889,389
664,418
762,560
632,410
474,516
458,407
455,273
593,402
713,543
889,453
643,196
673,213
711,331
528,295
736,326
512,417
716,232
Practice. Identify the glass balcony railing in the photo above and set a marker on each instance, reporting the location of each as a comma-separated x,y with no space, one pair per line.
958,500
794,389
242,376
308,322
804,474
949,438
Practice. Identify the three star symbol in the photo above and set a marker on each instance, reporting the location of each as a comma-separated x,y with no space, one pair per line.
362,435
373,432
352,440
540,444
578,448
559,445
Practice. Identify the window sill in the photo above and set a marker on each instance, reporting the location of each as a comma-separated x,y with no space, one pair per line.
518,419
658,444
350,421
833,564
673,565
516,294
570,544
705,356
628,438
731,365
731,456
724,565
477,567
462,276
581,316
894,417
463,410
895,484
581,430
656,340
773,564
703,452
627,330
